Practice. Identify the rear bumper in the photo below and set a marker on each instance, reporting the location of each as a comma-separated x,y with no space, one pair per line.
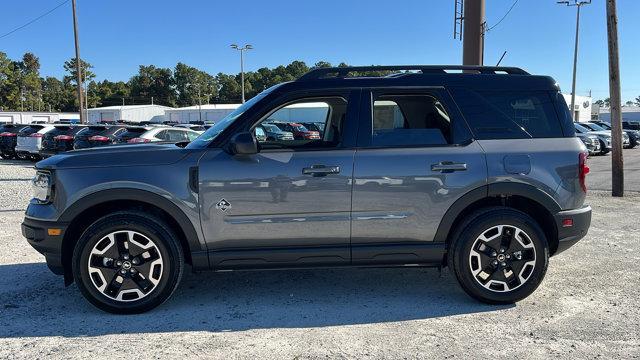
35,231
569,235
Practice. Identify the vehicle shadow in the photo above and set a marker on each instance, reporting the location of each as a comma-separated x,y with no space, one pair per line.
33,302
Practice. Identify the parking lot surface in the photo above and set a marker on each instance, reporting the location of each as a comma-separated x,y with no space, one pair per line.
600,176
587,306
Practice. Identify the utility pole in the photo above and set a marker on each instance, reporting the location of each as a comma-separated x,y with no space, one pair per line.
473,32
199,105
152,100
578,5
242,50
617,162
78,72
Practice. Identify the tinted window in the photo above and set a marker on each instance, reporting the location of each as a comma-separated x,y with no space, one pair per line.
509,114
410,120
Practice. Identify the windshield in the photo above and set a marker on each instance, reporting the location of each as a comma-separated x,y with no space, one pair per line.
606,126
581,128
221,125
595,127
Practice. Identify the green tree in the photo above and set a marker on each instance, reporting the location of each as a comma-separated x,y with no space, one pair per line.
629,103
153,82
70,81
637,101
193,86
54,95
111,93
9,91
229,89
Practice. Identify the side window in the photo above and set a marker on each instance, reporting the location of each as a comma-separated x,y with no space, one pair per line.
410,120
283,129
162,135
192,135
509,114
177,135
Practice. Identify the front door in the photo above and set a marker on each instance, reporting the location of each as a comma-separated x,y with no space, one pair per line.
288,205
415,158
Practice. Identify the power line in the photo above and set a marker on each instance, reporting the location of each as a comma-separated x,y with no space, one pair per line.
34,20
504,16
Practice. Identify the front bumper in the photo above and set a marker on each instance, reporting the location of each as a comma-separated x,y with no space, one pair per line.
36,233
569,235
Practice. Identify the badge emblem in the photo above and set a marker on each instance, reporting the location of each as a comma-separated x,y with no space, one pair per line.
223,205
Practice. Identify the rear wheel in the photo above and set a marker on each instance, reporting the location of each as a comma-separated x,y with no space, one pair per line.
22,156
6,156
499,255
128,262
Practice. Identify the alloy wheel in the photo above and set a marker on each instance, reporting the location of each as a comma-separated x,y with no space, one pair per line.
125,265
502,258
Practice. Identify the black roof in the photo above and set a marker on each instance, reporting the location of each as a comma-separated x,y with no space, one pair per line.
473,77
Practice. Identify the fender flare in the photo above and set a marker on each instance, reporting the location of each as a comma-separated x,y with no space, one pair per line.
143,196
488,191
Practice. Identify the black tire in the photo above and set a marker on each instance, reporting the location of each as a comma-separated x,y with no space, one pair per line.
478,223
22,156
603,148
6,156
35,158
155,230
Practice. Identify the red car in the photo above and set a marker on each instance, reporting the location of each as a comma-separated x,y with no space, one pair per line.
299,131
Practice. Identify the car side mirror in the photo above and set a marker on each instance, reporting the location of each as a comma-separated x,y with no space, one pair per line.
243,143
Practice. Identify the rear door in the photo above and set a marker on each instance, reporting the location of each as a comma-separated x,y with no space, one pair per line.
415,158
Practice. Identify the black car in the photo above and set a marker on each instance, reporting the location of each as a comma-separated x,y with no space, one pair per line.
60,139
97,135
631,125
8,139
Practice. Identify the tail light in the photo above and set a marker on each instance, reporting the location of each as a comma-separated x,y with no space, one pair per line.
583,170
138,140
8,134
36,135
98,138
63,137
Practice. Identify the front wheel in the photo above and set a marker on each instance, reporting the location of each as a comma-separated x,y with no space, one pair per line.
128,262
499,255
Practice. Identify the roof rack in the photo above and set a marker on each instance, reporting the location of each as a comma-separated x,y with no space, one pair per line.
342,72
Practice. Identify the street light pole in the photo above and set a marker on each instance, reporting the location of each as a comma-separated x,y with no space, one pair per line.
242,50
577,4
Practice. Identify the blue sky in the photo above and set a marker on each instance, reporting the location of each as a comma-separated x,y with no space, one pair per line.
118,35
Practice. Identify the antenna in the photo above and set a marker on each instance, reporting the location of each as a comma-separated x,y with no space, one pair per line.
458,19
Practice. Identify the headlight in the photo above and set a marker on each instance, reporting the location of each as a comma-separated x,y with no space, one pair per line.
42,186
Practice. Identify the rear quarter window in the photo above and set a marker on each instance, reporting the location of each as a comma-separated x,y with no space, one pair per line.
509,114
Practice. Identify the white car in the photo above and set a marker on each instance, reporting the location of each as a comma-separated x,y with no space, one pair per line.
29,142
166,134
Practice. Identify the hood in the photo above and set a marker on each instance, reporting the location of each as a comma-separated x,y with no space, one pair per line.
116,155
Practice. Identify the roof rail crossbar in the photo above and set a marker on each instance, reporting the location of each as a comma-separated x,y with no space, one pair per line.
342,72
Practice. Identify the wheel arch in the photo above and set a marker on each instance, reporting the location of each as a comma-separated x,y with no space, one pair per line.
524,197
91,207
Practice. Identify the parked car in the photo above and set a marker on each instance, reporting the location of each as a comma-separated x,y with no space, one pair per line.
8,139
591,142
634,135
603,136
479,172
319,127
275,133
29,142
97,135
631,125
59,139
165,134
594,127
130,133
195,127
299,132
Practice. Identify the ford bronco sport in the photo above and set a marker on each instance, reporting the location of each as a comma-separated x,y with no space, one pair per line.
474,168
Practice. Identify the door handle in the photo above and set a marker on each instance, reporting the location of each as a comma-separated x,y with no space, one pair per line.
321,170
448,166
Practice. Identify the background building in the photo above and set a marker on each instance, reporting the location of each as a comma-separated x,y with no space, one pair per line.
582,107
207,113
133,113
629,113
26,117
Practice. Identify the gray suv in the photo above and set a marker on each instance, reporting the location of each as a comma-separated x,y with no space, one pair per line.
478,170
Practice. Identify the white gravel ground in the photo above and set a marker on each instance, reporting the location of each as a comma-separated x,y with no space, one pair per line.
586,308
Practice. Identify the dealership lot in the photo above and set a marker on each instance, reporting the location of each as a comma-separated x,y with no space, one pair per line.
585,308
